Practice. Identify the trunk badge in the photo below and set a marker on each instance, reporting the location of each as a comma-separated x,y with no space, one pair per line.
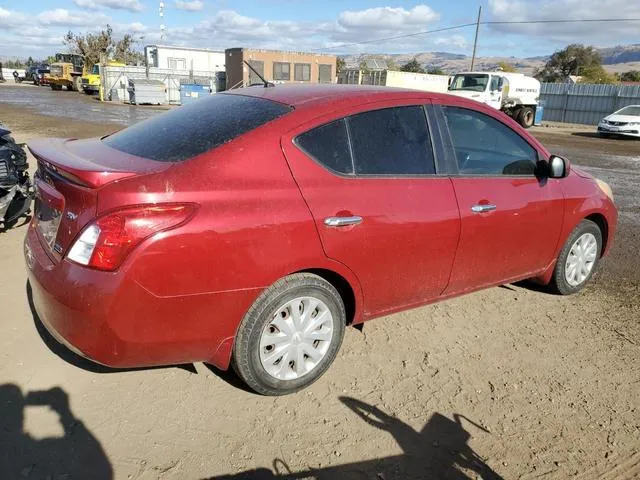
71,215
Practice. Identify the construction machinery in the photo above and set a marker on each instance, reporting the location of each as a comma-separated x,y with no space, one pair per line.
90,81
66,72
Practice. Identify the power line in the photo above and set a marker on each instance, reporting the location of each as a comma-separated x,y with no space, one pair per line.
406,35
488,22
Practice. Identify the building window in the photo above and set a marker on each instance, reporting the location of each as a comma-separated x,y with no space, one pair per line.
324,73
177,63
302,72
281,71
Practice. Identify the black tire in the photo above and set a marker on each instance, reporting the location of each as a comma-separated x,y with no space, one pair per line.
526,117
559,282
246,352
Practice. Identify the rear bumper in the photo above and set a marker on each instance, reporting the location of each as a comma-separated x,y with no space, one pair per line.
109,318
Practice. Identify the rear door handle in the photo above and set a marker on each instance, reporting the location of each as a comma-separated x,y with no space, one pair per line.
342,221
483,208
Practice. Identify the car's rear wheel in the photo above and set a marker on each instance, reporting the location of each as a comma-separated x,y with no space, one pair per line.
290,336
578,259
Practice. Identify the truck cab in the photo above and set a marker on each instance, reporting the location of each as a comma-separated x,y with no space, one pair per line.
515,94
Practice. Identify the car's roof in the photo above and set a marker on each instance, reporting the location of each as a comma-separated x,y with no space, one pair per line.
298,95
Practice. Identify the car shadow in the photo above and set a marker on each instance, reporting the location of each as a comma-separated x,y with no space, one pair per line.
76,360
611,136
76,454
439,450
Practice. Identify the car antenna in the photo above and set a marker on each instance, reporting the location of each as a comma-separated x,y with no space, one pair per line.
266,83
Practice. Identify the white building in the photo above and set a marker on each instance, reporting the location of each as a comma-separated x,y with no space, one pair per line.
184,58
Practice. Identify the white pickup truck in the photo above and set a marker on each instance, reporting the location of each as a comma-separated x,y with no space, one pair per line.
515,94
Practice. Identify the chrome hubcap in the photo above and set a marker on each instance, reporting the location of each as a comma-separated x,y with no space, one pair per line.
581,259
297,338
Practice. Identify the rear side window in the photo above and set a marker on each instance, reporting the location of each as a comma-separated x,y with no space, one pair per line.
329,145
392,141
193,129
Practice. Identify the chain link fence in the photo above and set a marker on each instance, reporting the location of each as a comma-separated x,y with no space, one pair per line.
115,81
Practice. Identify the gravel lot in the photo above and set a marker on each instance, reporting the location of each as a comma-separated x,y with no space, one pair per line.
509,383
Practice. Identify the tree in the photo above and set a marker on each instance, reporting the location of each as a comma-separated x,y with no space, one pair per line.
93,46
364,68
596,74
507,67
412,66
340,64
435,71
574,60
391,64
630,76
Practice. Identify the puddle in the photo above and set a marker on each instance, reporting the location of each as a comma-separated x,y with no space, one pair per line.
74,105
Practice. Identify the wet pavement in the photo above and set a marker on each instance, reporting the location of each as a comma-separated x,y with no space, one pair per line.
73,105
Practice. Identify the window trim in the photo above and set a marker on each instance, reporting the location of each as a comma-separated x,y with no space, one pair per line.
294,72
288,79
344,118
451,146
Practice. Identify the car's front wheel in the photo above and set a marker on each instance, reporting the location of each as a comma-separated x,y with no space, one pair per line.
578,259
290,336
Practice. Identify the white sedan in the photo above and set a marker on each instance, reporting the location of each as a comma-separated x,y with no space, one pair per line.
625,121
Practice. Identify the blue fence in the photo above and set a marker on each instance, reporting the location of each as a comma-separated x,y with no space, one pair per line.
585,103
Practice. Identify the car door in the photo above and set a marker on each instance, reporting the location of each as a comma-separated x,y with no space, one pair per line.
511,215
380,207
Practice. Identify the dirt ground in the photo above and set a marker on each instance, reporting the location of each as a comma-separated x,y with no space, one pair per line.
509,383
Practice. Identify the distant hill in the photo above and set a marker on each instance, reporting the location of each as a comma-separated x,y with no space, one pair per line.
615,59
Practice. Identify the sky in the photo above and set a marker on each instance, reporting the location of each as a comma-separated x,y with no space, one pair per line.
36,27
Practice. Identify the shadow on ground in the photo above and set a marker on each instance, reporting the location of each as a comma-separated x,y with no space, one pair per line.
73,358
603,137
77,454
439,451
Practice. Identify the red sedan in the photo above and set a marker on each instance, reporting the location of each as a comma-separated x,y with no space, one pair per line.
252,226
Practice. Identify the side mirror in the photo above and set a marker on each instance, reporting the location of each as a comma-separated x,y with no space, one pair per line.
559,167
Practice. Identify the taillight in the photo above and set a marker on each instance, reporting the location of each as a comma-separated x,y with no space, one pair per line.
106,242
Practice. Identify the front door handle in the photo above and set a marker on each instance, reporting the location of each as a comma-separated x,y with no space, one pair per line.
342,221
483,208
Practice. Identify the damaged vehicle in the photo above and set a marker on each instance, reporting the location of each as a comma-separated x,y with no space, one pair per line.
16,191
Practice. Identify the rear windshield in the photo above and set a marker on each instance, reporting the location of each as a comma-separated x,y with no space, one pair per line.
195,128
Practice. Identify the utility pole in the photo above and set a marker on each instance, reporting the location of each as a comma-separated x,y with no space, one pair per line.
475,42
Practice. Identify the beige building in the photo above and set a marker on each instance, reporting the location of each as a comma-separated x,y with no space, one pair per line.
278,67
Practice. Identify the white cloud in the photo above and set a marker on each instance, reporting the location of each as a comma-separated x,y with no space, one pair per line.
584,32
65,18
456,41
388,17
130,5
190,6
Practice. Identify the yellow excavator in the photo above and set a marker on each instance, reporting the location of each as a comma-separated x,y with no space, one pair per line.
66,72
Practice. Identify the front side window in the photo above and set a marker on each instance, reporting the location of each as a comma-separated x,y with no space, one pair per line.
485,146
281,71
391,141
302,72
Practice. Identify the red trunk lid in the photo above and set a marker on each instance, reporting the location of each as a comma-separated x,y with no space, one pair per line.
69,176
